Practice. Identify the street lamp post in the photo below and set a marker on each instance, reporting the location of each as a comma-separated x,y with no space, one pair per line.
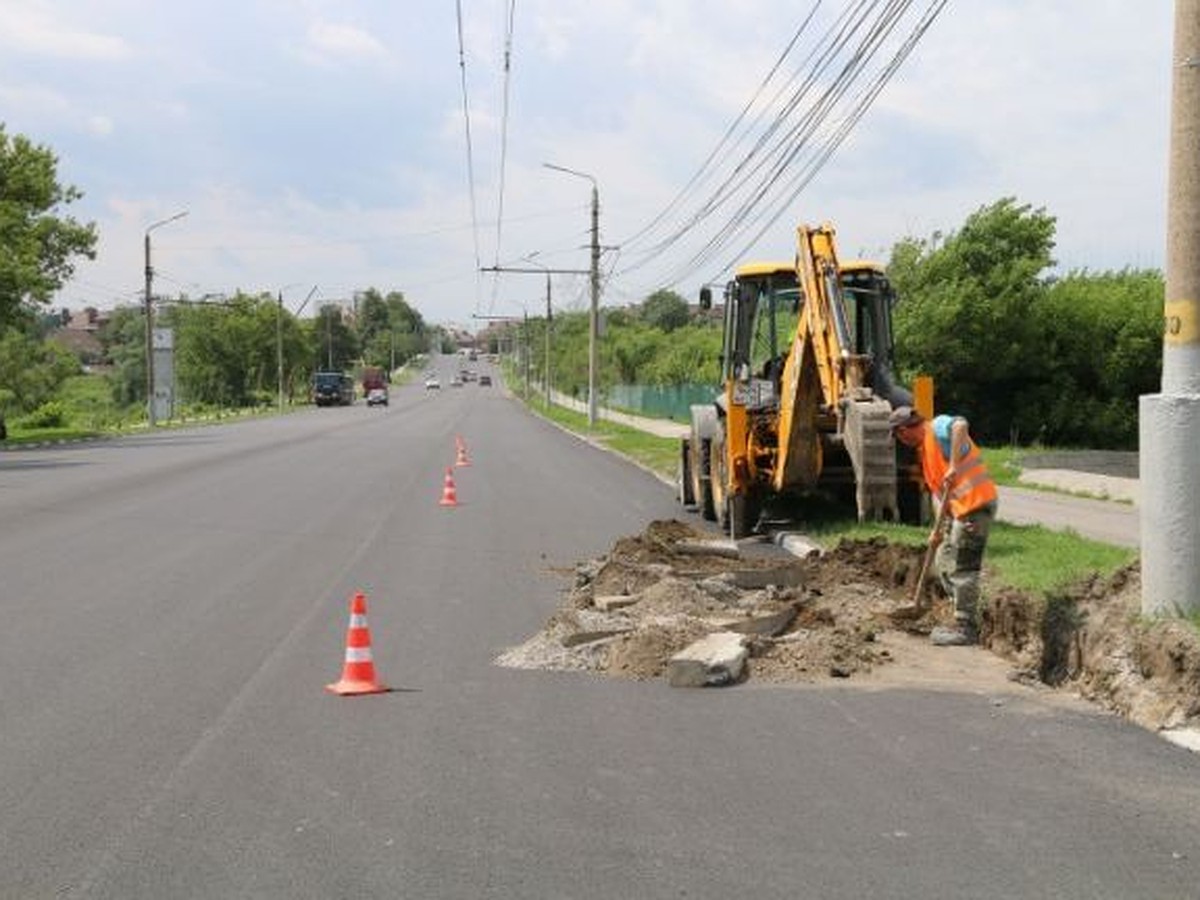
150,316
594,317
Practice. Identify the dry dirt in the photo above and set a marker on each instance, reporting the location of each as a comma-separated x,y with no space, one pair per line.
842,616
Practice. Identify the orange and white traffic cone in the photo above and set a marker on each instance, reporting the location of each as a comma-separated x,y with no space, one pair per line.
358,673
449,493
461,457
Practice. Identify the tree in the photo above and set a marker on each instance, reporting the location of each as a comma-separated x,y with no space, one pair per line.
337,347
38,243
665,310
31,370
967,314
124,340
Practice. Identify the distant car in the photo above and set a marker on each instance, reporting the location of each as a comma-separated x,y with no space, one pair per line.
485,380
456,382
377,397
432,384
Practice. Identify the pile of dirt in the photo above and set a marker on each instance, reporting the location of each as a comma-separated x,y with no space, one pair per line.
837,617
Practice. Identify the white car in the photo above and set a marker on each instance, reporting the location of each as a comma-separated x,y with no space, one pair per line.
432,384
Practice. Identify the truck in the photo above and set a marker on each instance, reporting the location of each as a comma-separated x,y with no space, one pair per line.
374,385
333,389
807,386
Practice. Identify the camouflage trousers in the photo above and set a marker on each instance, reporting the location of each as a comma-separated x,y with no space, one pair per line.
959,560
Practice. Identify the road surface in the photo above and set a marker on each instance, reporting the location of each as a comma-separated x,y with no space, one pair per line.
174,605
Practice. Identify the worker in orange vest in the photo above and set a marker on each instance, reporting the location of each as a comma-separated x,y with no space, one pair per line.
955,474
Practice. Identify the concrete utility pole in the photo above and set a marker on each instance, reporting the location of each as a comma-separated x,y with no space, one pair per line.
549,314
149,303
594,317
279,347
1169,422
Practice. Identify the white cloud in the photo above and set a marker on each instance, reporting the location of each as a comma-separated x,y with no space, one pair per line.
328,41
324,141
31,28
101,126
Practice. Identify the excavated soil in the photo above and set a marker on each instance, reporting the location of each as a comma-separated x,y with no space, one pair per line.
847,615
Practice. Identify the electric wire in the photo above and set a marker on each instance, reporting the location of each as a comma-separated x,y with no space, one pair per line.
462,65
706,165
508,41
821,59
789,151
797,143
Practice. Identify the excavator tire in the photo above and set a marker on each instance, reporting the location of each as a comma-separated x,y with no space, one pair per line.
705,429
685,486
718,483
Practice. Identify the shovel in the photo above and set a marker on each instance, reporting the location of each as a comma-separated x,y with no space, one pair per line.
917,608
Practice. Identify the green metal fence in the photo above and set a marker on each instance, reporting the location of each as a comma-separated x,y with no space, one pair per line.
661,402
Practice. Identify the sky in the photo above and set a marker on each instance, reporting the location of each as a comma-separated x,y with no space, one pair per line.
320,147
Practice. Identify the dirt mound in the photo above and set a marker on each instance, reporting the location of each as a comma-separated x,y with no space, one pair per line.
836,616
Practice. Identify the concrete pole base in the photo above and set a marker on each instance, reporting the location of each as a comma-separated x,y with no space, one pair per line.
1169,474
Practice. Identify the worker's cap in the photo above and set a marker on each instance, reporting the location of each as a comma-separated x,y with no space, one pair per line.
904,416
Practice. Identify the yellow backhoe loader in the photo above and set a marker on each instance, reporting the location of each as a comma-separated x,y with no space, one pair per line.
807,386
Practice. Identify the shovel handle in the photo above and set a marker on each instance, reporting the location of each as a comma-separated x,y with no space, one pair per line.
931,548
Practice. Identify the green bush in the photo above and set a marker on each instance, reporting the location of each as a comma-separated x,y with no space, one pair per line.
51,414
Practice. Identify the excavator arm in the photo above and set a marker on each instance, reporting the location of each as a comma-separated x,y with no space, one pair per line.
827,393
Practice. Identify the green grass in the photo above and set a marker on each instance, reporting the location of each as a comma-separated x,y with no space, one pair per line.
1004,464
656,453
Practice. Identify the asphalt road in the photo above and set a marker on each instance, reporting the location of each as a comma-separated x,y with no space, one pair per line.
174,605
1101,520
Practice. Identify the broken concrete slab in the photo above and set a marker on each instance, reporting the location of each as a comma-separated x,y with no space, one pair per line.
612,602
714,660
799,545
578,638
729,549
780,576
767,625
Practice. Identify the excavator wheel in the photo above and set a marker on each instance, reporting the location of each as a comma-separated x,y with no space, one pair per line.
685,485
718,483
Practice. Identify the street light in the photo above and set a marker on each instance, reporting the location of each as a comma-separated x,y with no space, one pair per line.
150,316
594,317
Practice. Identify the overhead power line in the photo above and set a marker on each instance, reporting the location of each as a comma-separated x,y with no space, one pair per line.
462,64
764,163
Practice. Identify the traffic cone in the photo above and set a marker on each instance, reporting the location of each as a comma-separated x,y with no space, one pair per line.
461,459
449,494
358,674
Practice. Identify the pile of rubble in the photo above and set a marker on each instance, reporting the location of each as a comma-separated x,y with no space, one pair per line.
673,602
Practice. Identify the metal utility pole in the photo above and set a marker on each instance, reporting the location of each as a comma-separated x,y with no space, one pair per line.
525,341
594,317
149,303
279,348
549,314
1169,422
546,357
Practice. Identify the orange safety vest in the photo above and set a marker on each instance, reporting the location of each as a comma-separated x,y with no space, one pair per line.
971,489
